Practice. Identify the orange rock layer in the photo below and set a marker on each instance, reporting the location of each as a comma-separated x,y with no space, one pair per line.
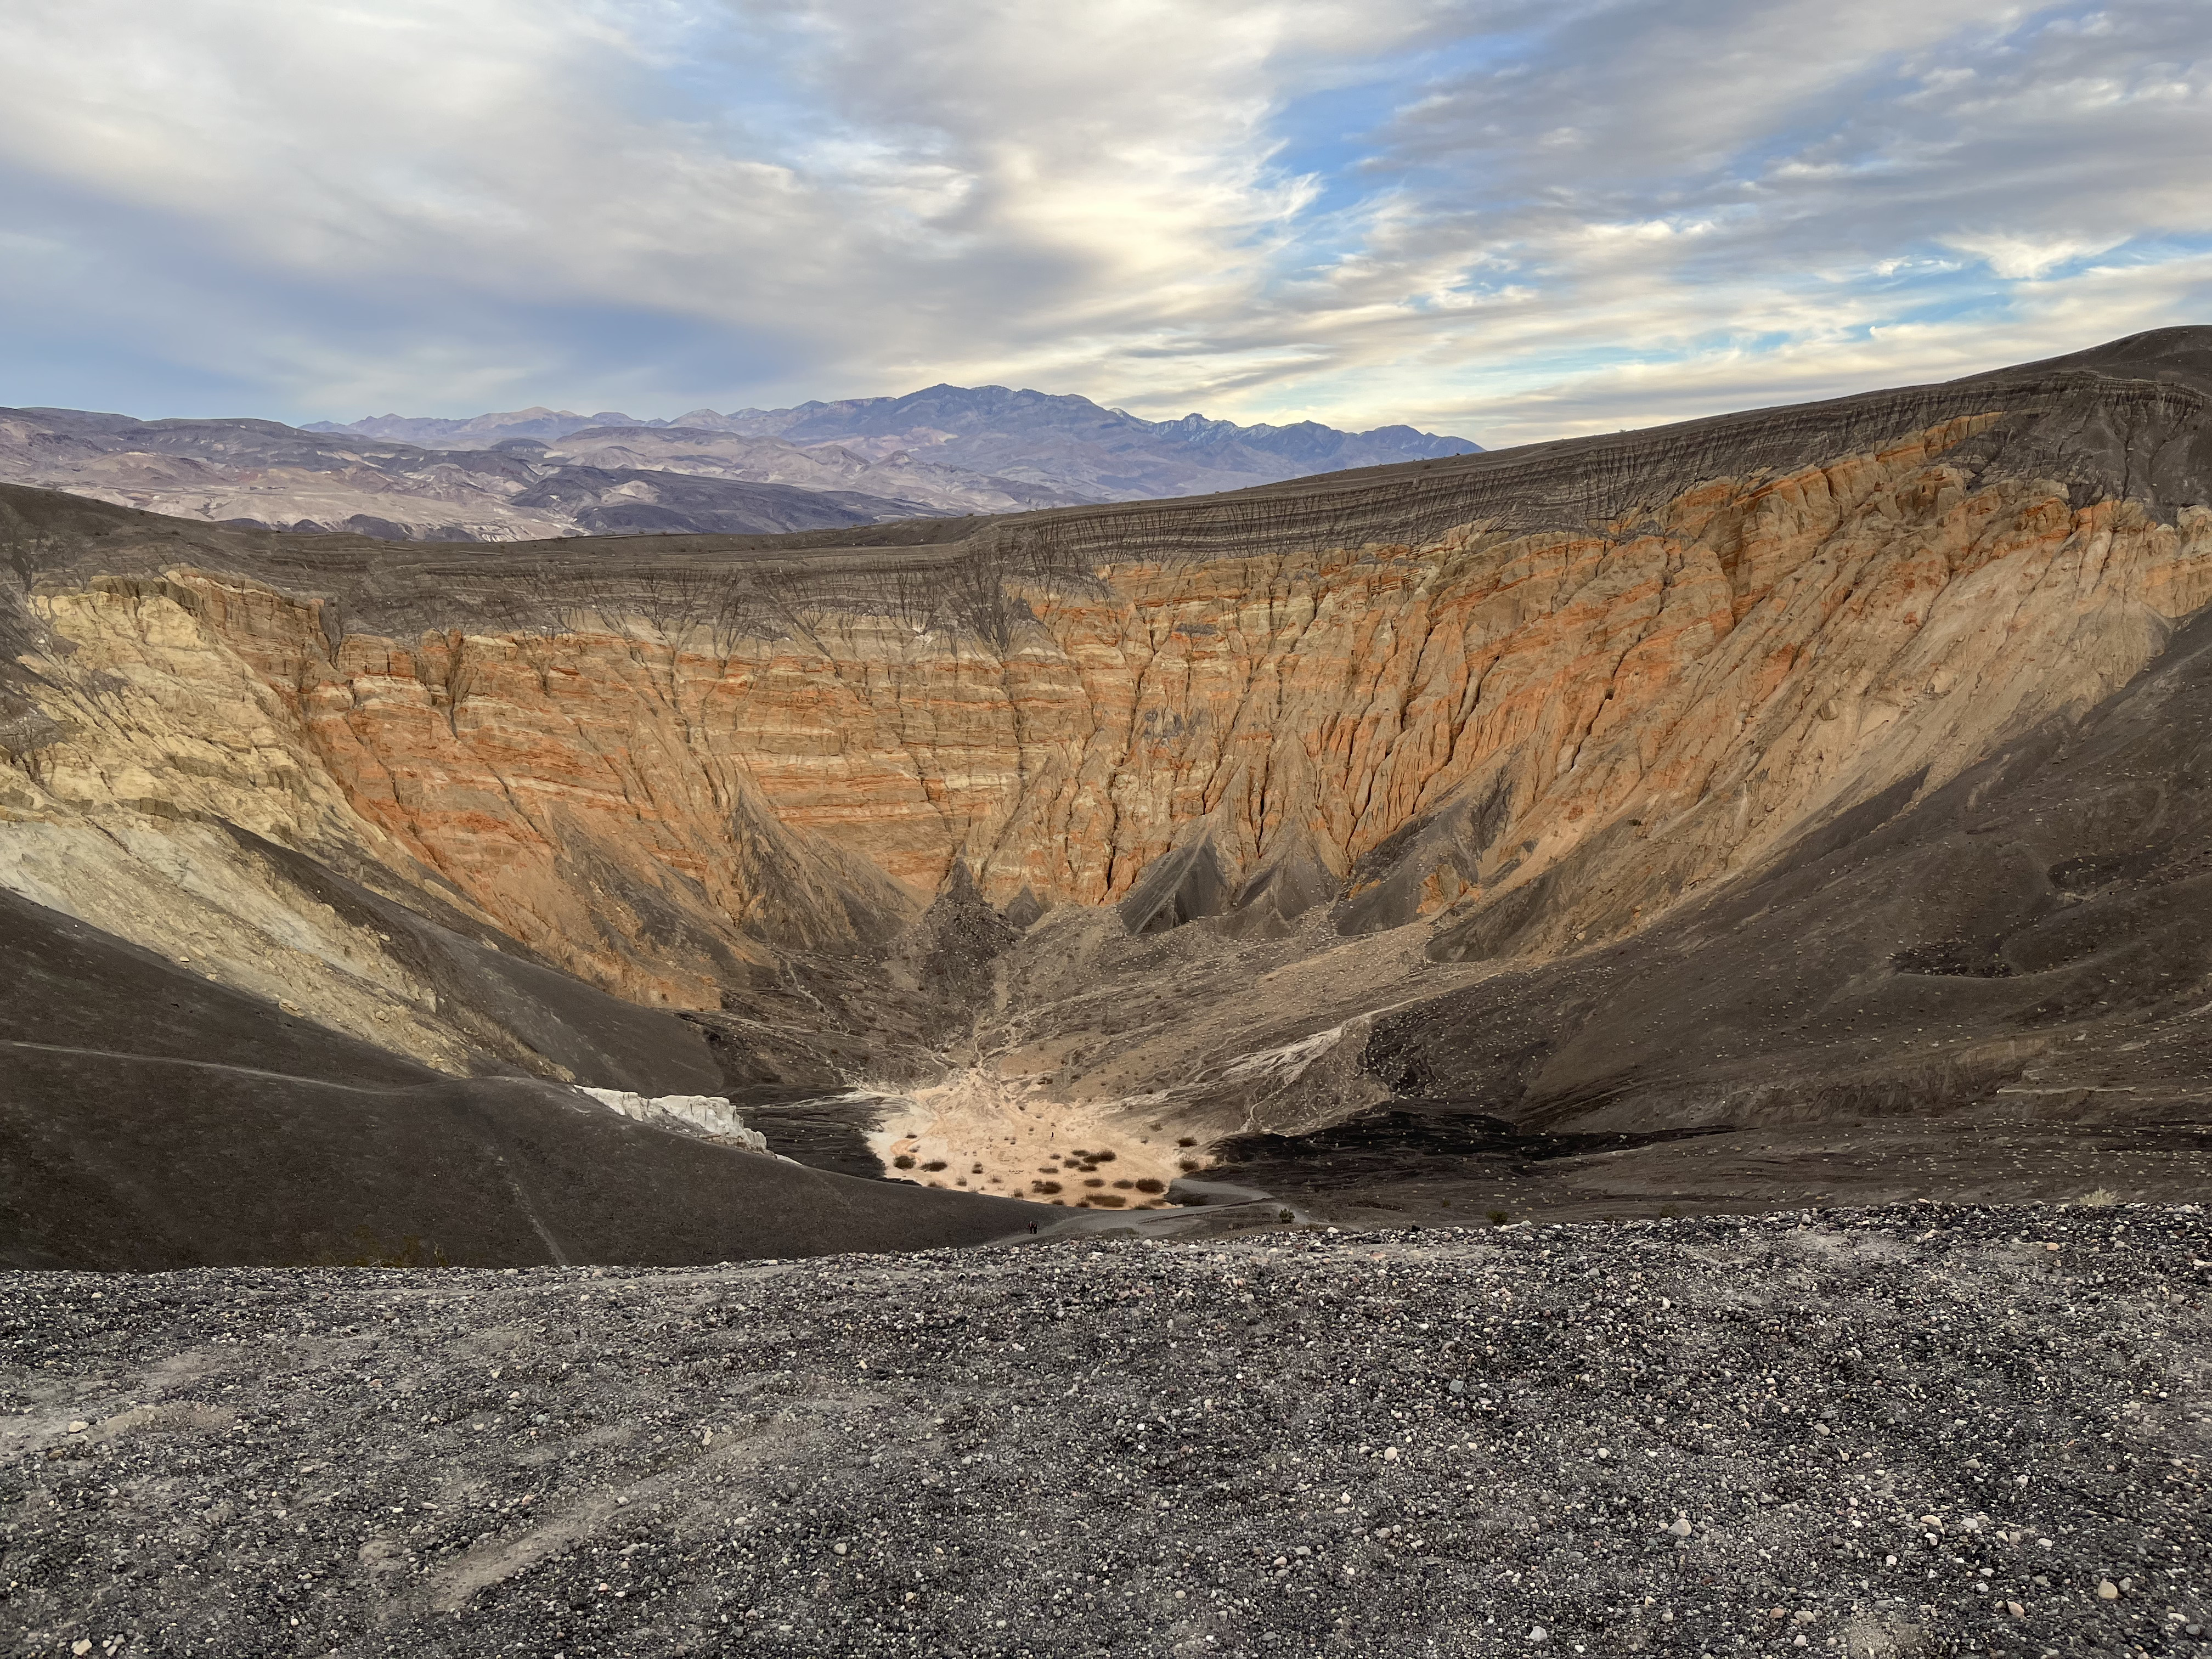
1645,705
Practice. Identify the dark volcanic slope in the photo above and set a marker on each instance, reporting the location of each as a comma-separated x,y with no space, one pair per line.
1997,990
149,1119
1920,1432
2035,931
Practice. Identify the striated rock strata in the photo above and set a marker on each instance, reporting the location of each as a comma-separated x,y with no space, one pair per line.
1489,709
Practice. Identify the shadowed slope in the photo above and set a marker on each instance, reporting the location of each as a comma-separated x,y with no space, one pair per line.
149,1119
2034,939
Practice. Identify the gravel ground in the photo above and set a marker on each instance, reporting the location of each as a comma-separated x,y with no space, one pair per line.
1912,1431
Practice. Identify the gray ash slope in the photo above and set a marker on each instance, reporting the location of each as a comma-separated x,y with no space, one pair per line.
151,1119
1886,1430
2054,894
2016,956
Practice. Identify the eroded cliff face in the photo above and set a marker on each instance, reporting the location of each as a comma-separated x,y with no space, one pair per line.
1498,743
1649,704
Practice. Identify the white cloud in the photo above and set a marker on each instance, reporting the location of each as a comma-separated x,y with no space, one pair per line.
2018,257
1495,216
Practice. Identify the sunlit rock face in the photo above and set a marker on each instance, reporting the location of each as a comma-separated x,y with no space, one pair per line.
1434,726
1499,708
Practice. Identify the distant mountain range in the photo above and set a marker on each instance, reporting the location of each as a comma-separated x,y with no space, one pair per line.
1066,444
541,472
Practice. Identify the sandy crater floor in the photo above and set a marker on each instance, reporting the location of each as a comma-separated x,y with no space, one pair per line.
1010,1137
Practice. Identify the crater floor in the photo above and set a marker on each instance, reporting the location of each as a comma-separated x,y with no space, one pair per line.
1917,1429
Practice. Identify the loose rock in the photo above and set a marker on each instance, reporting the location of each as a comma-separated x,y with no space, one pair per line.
1069,1449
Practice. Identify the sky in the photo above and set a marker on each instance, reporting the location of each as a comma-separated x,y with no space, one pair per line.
1502,220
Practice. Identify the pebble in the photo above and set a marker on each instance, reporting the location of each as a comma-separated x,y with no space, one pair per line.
1250,1455
2107,1590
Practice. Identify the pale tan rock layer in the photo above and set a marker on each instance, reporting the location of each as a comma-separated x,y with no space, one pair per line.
1647,704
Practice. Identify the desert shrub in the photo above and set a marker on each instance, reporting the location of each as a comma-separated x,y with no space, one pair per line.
1188,1140
1498,1218
1094,1182
1125,1185
1044,1186
1102,1157
903,1161
1108,1200
934,1163
1187,1165
367,1249
1286,1216
1149,1185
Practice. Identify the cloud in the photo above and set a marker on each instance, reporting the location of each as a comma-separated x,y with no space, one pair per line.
1506,219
